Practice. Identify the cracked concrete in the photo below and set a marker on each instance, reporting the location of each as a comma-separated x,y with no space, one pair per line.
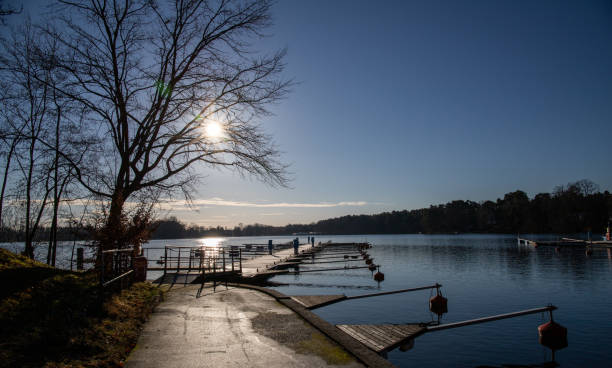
231,328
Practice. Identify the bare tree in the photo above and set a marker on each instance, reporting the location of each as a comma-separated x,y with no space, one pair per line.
153,78
7,10
25,119
9,140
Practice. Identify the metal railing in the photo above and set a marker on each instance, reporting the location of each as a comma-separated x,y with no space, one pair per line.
205,259
116,265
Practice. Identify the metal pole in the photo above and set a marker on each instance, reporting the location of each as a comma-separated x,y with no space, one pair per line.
178,261
79,259
393,292
491,318
165,260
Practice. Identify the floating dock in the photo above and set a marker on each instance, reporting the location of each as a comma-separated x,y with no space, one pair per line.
565,242
386,337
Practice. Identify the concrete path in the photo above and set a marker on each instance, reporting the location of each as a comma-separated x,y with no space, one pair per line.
231,328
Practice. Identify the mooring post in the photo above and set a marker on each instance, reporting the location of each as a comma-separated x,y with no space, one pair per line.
240,259
178,261
165,260
80,259
223,255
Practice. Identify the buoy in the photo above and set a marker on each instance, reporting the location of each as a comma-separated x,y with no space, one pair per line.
438,304
407,345
372,267
379,276
369,261
552,335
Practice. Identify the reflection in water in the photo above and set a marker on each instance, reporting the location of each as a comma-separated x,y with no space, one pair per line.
212,242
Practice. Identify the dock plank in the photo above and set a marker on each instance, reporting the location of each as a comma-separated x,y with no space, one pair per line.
315,301
382,337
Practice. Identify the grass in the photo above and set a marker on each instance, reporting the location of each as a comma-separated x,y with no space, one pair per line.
319,345
55,318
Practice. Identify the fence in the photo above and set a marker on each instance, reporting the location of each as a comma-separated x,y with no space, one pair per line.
116,267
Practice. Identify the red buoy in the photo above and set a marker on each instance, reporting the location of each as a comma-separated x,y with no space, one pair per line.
372,267
379,276
369,261
552,335
438,304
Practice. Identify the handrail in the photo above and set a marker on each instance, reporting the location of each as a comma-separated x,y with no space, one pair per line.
117,278
118,250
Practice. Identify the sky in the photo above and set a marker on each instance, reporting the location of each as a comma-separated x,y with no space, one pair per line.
405,104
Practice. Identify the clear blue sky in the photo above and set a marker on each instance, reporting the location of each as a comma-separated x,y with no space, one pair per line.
403,104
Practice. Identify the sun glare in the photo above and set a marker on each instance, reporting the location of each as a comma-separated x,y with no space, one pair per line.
214,130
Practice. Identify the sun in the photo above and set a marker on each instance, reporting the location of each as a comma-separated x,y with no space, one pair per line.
214,130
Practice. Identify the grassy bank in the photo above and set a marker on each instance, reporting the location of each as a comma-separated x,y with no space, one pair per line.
55,318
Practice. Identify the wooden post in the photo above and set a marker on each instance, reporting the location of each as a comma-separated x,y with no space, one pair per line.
223,255
240,258
178,262
165,260
80,259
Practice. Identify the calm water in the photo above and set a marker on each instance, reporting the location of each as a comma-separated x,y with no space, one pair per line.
481,275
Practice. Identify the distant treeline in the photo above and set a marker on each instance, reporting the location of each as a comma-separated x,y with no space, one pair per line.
573,208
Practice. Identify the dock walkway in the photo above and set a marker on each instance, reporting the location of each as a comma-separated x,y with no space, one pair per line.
262,263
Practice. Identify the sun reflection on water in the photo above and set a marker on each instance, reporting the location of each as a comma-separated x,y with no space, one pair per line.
211,242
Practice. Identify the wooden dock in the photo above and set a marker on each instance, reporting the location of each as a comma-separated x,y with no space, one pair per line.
315,301
382,338
181,264
386,337
565,242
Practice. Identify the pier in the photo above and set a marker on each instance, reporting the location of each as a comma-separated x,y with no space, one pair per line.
565,242
386,337
247,263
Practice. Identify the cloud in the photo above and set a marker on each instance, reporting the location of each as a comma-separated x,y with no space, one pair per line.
215,201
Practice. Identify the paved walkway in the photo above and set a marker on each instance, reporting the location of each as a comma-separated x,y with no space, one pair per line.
231,328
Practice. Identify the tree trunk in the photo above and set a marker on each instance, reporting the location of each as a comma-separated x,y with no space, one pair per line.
114,226
9,157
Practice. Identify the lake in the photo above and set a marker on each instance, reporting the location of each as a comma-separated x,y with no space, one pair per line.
481,275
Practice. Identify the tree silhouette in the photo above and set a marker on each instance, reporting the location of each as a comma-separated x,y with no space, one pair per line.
150,77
